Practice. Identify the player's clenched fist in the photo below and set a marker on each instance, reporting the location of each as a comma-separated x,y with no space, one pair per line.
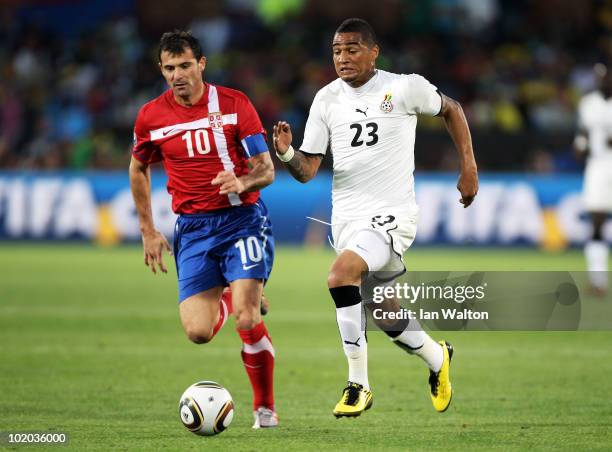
229,183
282,137
468,186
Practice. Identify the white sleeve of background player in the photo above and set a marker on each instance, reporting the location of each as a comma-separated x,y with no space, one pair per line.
316,132
420,96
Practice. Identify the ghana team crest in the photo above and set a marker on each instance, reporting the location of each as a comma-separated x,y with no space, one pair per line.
386,105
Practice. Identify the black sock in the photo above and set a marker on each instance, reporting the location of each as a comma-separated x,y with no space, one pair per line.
345,296
397,329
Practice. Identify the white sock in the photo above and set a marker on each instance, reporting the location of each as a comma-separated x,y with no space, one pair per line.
417,342
431,352
596,252
354,343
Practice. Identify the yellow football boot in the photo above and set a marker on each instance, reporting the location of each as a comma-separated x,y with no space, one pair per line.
439,382
355,400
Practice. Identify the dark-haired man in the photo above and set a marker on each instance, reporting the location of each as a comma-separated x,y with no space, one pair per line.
368,118
213,148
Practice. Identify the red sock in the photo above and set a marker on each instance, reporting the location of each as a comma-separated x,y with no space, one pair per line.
227,298
258,359
225,309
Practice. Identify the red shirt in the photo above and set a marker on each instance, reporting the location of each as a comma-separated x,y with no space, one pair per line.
196,143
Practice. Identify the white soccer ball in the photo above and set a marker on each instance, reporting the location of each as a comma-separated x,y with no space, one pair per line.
206,408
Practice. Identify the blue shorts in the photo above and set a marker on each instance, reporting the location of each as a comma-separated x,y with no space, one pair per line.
214,249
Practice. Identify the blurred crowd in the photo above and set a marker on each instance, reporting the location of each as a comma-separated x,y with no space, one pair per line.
69,100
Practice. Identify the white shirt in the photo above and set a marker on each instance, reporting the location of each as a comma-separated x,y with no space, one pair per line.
370,131
595,117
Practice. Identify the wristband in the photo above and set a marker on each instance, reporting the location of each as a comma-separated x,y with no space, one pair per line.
581,143
287,155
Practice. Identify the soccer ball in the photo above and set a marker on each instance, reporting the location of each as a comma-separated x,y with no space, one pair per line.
206,408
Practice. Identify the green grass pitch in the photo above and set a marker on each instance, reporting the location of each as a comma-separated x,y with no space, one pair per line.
91,344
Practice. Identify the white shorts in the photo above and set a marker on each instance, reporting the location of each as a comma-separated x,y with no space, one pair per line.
597,191
391,235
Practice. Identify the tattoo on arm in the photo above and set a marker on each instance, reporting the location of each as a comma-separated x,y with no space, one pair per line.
303,167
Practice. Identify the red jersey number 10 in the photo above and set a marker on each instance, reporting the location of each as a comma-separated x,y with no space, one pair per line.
202,142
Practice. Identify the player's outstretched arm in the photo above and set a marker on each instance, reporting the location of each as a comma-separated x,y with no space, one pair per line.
458,128
302,166
153,241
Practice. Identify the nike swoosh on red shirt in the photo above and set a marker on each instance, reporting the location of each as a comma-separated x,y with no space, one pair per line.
166,132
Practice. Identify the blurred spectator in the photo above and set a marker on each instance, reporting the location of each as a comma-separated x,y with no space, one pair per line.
541,161
517,67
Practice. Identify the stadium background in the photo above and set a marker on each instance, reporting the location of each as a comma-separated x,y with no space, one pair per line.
91,343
